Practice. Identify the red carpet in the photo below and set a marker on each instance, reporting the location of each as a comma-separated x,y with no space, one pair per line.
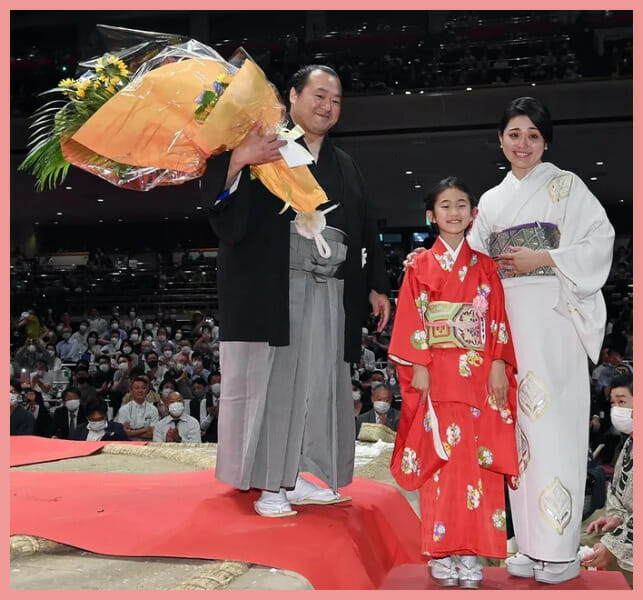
31,449
416,577
192,515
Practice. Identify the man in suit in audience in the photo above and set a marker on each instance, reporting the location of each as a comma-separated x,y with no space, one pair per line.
70,415
382,411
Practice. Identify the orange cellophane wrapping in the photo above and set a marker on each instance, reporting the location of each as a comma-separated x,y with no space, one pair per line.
151,124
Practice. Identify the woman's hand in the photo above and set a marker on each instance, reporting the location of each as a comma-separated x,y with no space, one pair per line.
421,380
521,260
498,383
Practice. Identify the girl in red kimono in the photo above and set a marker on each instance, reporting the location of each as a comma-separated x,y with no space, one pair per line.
456,365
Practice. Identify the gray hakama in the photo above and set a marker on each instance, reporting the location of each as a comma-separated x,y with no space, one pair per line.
287,409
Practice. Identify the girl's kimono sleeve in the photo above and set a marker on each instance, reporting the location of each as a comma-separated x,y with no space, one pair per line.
409,342
417,454
480,230
497,425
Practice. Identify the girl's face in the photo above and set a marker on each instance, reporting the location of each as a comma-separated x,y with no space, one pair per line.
522,145
452,212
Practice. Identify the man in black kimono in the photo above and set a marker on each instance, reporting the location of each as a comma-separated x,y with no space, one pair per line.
290,320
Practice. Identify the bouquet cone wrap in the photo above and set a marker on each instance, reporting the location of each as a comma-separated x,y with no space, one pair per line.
151,124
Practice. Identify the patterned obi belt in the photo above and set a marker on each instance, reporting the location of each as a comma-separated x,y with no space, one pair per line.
454,325
537,236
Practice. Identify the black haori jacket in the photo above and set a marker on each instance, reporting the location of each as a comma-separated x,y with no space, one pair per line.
254,246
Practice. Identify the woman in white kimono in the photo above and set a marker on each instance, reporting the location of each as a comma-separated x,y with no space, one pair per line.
553,243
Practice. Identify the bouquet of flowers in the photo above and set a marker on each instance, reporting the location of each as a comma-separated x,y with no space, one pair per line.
152,113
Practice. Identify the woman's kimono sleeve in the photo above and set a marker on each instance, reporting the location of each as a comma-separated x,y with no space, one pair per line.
583,261
499,345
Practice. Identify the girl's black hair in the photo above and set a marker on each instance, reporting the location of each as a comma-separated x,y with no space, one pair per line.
445,184
532,108
300,78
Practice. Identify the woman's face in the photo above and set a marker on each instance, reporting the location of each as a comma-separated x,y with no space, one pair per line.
522,145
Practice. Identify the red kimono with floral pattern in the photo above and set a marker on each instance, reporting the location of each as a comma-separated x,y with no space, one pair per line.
457,445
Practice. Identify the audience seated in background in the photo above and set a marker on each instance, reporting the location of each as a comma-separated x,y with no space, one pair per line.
70,415
138,417
21,422
98,427
43,421
204,407
614,549
382,411
177,426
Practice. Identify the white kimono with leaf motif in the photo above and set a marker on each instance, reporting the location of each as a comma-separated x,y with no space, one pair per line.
557,320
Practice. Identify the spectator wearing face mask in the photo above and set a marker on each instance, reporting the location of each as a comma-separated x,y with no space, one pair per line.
104,376
127,349
614,550
93,350
114,329
21,422
113,345
81,335
177,338
55,364
154,370
42,379
135,338
132,320
68,349
29,354
68,416
161,340
197,368
382,412
204,407
177,426
167,387
138,416
98,427
43,422
165,357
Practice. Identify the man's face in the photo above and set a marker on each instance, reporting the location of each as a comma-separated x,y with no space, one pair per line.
381,395
621,396
614,358
317,107
139,391
198,390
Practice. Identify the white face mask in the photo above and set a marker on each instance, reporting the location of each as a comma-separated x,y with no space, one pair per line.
51,352
32,348
357,395
127,350
134,337
166,392
72,405
104,367
381,407
97,425
216,389
83,328
622,419
196,363
167,353
123,366
176,409
14,398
